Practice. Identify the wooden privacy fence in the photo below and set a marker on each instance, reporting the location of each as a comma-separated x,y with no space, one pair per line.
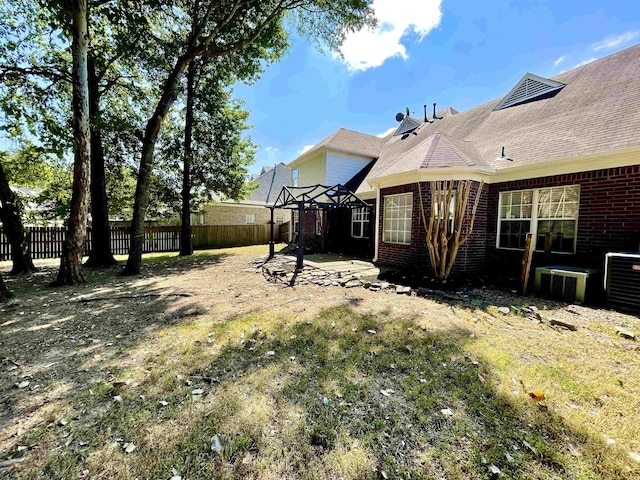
46,242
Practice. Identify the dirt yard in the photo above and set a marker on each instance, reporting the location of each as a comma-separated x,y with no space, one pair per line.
202,368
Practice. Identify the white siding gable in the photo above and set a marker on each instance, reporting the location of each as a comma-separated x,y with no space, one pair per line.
341,167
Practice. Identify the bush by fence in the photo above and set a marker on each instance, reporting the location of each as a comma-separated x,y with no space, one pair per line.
46,242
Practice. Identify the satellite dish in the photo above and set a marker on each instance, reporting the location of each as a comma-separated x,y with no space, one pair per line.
399,117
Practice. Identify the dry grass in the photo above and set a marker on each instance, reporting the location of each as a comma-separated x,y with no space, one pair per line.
313,409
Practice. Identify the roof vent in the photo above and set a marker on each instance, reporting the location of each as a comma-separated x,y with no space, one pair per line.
529,88
407,124
504,157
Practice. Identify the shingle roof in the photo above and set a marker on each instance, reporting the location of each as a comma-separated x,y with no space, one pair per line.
353,142
270,182
597,111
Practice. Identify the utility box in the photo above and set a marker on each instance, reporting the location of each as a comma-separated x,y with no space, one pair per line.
622,281
571,284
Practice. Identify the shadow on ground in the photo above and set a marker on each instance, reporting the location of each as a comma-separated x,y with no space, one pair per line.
345,395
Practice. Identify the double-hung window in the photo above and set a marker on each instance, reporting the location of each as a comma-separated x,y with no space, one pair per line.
294,177
397,218
296,221
360,222
250,219
542,211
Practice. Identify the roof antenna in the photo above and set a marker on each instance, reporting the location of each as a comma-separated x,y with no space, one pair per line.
435,117
504,157
426,120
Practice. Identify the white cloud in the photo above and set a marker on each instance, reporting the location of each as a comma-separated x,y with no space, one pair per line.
370,48
305,149
386,132
271,149
560,60
612,42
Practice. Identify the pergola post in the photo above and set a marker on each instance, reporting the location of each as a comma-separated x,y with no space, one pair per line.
300,258
272,243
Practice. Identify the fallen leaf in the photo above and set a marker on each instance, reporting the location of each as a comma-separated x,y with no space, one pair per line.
216,444
494,470
537,395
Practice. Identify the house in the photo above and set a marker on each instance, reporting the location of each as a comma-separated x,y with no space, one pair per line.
252,210
557,157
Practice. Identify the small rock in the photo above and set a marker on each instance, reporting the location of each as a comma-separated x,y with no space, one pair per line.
62,422
197,391
387,393
608,440
117,398
372,332
447,412
270,353
24,384
402,290
626,333
508,457
129,447
163,403
504,310
634,456
353,283
564,324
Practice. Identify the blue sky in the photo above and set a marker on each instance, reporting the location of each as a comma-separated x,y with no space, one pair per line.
456,53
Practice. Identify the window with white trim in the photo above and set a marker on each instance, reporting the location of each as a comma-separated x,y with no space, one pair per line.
279,219
397,218
439,207
251,219
294,177
360,226
541,211
296,221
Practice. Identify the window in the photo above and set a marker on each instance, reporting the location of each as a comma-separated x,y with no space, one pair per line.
542,211
279,219
397,218
360,222
296,221
452,207
294,177
251,218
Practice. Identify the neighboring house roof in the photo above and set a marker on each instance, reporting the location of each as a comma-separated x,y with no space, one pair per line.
597,110
270,182
349,141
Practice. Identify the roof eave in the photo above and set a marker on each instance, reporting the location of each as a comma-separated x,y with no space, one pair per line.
478,173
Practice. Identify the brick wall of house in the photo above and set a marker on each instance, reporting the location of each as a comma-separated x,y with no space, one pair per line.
608,218
221,214
415,257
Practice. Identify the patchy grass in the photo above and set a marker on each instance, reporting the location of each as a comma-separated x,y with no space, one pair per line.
347,391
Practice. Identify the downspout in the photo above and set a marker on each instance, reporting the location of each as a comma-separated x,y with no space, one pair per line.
377,225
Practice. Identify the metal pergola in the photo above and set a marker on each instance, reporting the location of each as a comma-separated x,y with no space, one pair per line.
314,197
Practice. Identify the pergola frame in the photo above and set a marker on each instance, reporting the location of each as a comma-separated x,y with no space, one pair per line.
313,197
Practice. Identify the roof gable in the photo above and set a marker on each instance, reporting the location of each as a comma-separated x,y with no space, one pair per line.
529,88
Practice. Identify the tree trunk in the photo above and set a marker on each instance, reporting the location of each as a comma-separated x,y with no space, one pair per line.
100,255
5,294
13,229
186,246
73,248
169,95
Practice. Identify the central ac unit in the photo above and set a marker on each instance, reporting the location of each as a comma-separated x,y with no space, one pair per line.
571,284
622,281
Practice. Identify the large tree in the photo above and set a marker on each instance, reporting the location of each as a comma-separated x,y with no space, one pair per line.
225,28
5,294
73,249
12,227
